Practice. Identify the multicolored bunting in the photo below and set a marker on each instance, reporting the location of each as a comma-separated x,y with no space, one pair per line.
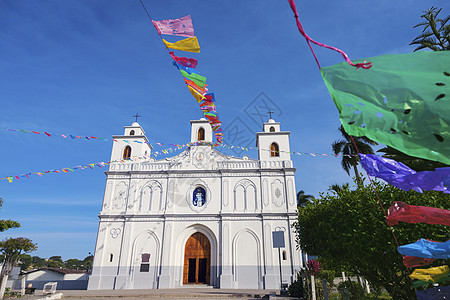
199,80
209,100
195,82
402,212
413,261
426,249
430,274
100,164
188,44
184,61
73,137
402,101
181,27
402,176
436,293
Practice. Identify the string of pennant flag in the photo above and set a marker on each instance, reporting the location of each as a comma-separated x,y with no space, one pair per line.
173,145
195,82
153,154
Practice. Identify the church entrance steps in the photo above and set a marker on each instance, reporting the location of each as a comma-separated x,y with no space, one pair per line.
185,293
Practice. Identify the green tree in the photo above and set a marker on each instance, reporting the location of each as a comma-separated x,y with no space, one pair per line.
11,249
88,261
303,199
73,263
435,33
25,262
336,188
38,262
346,147
55,262
7,224
348,228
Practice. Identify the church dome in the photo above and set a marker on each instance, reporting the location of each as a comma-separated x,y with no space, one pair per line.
203,119
135,124
271,121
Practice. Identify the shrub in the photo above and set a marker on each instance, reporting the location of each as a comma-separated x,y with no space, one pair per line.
355,290
296,288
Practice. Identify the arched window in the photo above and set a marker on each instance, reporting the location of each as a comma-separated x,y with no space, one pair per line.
274,150
272,129
132,132
127,152
201,134
284,255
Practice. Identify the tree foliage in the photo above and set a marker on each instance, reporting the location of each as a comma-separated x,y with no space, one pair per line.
303,199
11,250
348,228
7,224
349,152
435,33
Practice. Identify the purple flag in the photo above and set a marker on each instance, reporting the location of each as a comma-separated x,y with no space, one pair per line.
182,26
426,249
403,177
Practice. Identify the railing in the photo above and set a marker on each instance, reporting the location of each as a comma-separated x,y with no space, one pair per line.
160,166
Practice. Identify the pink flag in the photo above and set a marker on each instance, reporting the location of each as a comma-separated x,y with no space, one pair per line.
182,26
402,212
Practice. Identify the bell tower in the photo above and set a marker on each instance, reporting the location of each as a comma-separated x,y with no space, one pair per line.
131,144
201,131
272,143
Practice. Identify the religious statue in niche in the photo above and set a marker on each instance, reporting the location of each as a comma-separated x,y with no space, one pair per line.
199,197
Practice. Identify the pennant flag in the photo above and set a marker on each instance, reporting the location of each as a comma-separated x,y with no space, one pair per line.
436,293
182,26
413,261
426,249
403,177
184,61
210,97
196,87
189,44
400,211
430,274
402,101
422,283
186,69
199,80
199,97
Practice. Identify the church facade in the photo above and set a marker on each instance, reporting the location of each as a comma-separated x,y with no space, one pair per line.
198,218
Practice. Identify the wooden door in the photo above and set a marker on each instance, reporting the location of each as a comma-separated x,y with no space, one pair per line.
197,259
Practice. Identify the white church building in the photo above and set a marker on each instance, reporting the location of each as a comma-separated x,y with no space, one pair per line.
197,218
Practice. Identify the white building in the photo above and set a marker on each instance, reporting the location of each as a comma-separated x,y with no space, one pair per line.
200,217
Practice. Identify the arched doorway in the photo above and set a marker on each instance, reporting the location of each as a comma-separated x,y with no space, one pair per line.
197,259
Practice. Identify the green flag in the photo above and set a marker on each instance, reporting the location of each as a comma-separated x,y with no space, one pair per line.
403,101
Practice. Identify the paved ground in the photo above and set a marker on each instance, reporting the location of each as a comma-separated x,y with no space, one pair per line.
177,293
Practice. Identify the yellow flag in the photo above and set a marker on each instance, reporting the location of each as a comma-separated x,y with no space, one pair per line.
431,274
199,97
189,44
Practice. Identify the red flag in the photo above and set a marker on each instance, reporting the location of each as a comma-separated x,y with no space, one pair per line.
413,261
184,61
402,212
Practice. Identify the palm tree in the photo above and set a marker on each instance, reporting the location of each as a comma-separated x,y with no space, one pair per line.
303,199
346,147
415,163
338,188
436,39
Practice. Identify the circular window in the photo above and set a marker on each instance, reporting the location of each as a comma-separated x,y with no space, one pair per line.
199,197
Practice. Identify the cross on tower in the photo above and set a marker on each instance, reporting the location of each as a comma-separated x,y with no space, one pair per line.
137,116
270,113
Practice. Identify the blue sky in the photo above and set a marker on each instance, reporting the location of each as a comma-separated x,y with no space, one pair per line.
85,67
